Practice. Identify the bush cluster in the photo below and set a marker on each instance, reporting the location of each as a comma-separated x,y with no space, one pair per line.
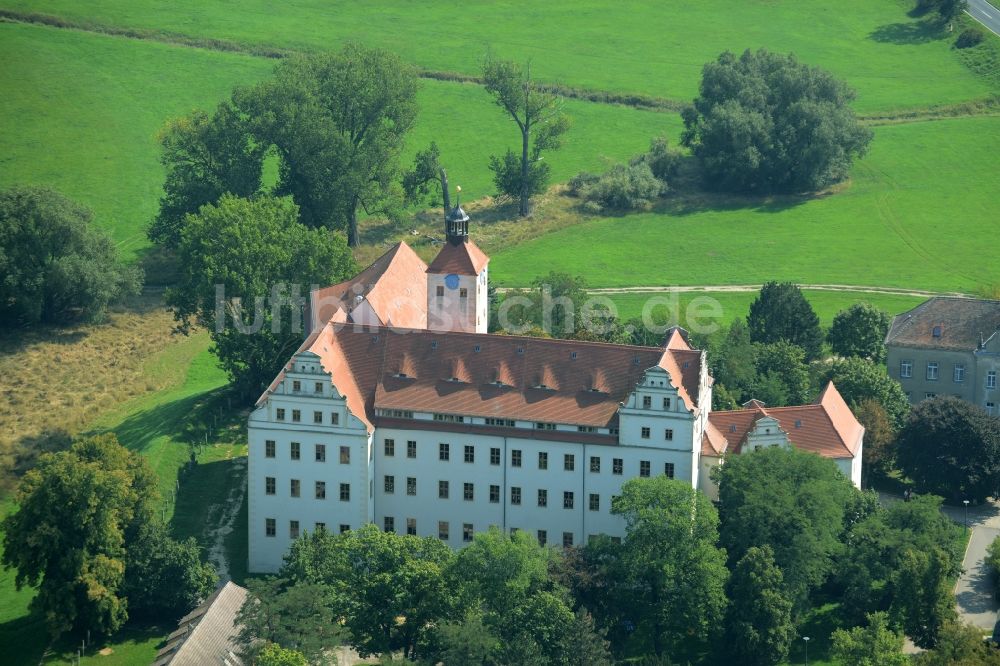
631,186
970,37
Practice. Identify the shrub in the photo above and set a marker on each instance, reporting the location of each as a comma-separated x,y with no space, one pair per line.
621,187
993,564
969,38
663,161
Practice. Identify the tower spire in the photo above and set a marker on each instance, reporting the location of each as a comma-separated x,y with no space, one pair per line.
456,222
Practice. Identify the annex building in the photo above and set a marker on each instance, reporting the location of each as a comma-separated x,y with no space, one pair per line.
400,410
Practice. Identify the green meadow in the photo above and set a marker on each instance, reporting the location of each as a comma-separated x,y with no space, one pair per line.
656,48
81,111
920,212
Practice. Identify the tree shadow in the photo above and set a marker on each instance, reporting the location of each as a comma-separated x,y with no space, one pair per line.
911,32
29,634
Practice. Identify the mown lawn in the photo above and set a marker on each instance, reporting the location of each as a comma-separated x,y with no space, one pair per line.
893,60
920,212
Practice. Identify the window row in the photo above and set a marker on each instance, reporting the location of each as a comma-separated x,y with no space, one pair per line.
647,402
932,373
295,451
517,457
297,386
279,415
295,489
271,528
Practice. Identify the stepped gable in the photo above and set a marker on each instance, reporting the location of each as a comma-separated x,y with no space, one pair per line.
461,259
827,427
394,285
946,322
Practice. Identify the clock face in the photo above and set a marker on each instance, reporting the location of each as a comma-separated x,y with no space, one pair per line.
451,281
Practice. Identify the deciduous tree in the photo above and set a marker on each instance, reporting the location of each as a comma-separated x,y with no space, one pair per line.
260,256
764,122
55,266
295,615
858,380
876,644
860,330
952,448
540,119
758,624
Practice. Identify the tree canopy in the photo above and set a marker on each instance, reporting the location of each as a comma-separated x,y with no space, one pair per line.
764,122
264,260
860,330
858,380
952,448
781,312
55,266
759,626
876,644
540,119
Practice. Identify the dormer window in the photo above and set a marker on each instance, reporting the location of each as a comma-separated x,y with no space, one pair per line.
572,355
543,387
401,375
732,428
798,423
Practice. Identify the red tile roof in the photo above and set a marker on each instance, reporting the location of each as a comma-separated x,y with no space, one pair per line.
461,259
367,365
827,427
394,286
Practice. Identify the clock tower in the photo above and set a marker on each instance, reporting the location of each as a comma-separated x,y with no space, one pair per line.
457,279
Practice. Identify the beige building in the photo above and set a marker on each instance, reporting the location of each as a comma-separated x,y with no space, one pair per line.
948,346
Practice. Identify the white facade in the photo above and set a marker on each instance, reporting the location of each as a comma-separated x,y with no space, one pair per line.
458,302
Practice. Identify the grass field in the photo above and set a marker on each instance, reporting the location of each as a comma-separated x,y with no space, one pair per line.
917,214
81,112
893,60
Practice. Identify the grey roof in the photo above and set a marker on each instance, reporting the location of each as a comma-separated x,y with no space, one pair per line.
946,322
204,637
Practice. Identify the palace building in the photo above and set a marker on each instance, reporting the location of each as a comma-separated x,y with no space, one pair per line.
399,409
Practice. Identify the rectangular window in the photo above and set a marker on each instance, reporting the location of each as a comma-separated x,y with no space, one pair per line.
469,454
959,374
928,396
463,293
318,387
503,423
317,417
411,449
390,448
296,488
466,532
444,451
595,502
269,485
389,484
568,499
645,433
296,415
586,429
344,528
296,386
668,434
567,539
411,486
990,408
293,529
643,468
543,460
543,537
668,470
411,526
320,527
270,527
616,466
334,418
389,524
569,462
991,379
295,451
321,453
932,371
595,464
345,455
321,490
279,414
515,495
494,456
494,494
345,492
443,530
515,458
647,401
541,425
666,403
468,492
442,490
269,448
905,369
543,497
440,292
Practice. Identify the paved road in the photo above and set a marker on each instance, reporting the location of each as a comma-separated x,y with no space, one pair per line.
985,13
974,591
